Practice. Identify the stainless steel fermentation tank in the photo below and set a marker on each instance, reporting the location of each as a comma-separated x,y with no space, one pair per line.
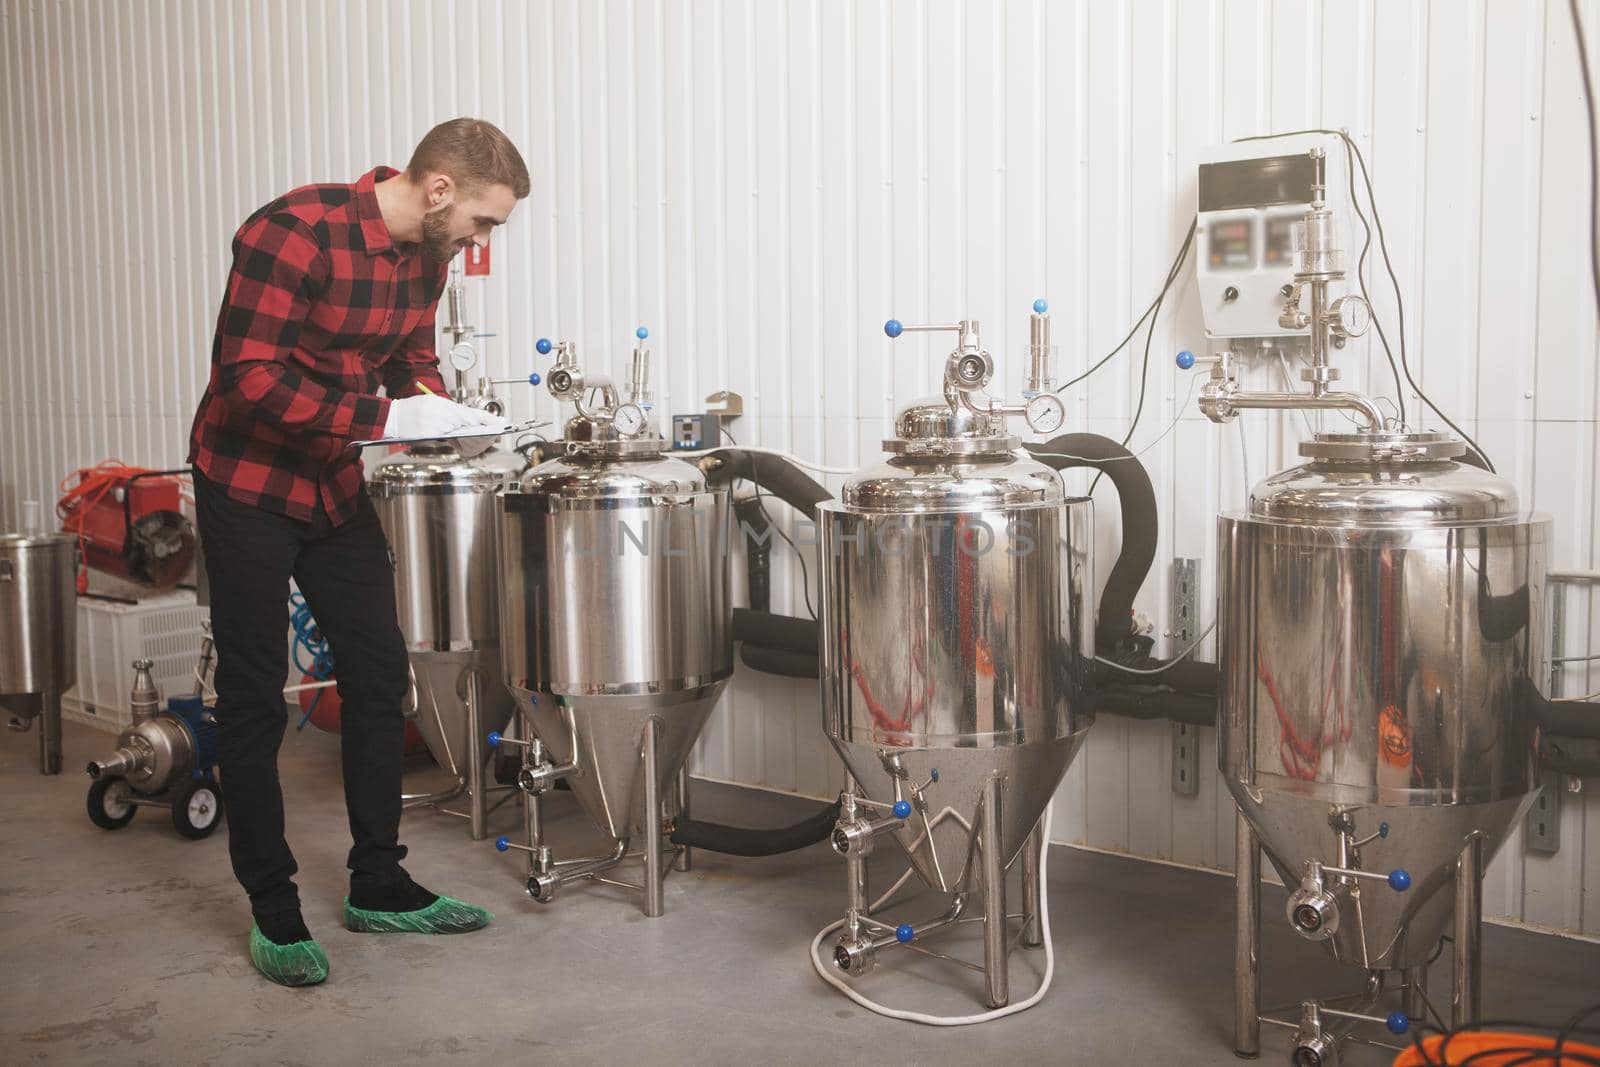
615,623
38,635
957,647
1380,614
440,510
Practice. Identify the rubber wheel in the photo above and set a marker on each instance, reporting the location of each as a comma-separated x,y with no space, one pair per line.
108,804
196,808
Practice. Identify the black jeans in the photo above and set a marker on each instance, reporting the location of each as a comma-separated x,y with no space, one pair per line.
347,576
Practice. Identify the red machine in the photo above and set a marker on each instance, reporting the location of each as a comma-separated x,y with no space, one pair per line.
129,523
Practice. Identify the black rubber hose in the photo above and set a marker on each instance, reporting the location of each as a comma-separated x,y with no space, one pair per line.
1568,718
775,474
780,661
1142,702
1186,676
784,632
742,841
757,550
1137,498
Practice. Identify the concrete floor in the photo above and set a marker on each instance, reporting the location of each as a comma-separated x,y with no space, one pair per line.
128,948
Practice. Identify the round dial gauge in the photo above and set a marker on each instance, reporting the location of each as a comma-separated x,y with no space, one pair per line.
629,420
1045,413
463,358
1352,315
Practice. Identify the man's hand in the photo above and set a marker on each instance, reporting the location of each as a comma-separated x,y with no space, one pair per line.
433,416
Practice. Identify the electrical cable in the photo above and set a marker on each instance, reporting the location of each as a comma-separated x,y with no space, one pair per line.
1594,154
1167,666
1155,306
1383,248
826,974
805,573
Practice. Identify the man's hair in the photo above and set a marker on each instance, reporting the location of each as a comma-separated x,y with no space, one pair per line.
474,153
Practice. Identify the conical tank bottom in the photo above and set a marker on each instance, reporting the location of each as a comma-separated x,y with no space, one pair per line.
938,838
439,699
603,735
1378,926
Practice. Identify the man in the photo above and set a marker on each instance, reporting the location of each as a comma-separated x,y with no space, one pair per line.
332,293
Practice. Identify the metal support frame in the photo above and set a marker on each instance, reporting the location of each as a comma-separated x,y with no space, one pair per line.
50,733
1466,987
1032,852
1246,939
546,874
474,783
996,975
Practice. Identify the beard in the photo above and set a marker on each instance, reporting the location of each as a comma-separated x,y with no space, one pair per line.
436,239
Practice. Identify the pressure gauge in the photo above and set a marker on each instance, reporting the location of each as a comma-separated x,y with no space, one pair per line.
463,357
1351,316
629,420
1045,413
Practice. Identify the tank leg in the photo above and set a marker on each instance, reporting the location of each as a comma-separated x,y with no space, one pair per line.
477,807
1416,993
1246,939
50,734
1032,936
681,806
651,828
994,897
532,811
1466,995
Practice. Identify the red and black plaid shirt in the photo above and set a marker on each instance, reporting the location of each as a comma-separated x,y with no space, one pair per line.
320,310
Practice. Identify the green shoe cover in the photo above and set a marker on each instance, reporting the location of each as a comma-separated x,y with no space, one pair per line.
446,915
302,963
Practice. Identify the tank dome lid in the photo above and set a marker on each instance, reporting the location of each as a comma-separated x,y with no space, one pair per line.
919,483
440,463
1388,479
936,426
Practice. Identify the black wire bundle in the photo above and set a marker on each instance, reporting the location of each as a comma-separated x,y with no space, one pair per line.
1530,1055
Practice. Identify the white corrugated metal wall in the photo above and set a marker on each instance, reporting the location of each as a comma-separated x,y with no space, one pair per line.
762,184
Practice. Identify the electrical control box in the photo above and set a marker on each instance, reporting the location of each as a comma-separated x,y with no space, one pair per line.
1250,197
691,433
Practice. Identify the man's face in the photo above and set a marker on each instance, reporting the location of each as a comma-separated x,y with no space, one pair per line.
465,218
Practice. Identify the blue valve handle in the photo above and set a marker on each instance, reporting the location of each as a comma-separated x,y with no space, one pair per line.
902,809
1040,307
1383,829
502,844
641,333
1185,359
494,738
543,346
904,933
893,328
534,379
1399,880
933,775
1397,1022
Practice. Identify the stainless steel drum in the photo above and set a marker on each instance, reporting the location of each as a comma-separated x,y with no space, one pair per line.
957,635
1380,625
38,634
440,510
616,613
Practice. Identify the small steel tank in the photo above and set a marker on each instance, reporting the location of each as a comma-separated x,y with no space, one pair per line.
38,635
616,619
956,631
440,510
1381,648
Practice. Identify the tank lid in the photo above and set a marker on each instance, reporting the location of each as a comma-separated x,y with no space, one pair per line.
601,437
441,463
589,472
935,426
962,482
1385,480
1382,447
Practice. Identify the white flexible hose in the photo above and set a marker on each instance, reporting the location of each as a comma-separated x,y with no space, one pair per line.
825,970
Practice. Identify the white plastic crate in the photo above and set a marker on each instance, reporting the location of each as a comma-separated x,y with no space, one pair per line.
164,629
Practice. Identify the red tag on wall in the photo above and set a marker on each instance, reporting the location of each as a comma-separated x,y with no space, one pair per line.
477,259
